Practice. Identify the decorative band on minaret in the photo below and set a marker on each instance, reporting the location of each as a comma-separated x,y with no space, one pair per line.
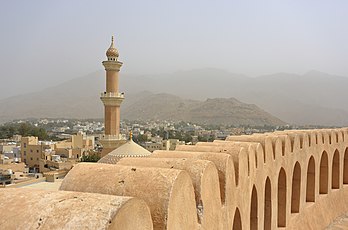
112,98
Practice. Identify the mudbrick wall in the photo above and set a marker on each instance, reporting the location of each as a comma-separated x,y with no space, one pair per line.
287,180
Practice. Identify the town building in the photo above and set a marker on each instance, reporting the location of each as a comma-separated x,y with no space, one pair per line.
42,156
158,143
32,150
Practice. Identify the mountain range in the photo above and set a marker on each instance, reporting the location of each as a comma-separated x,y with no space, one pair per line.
313,98
217,111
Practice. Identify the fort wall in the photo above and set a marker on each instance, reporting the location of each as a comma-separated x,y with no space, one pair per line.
281,180
289,179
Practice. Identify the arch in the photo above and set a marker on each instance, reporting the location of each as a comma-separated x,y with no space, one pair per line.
237,221
323,174
310,188
253,210
282,198
267,224
345,167
335,176
296,189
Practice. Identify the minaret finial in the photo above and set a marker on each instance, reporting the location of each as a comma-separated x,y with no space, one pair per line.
131,135
112,42
112,52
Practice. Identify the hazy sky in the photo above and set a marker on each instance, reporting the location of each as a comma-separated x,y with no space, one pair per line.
43,42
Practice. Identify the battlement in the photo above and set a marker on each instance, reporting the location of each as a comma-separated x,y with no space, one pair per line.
294,179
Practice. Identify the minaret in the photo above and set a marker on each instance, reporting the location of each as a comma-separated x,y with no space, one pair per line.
112,100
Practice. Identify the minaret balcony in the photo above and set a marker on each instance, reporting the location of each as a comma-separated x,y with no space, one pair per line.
112,94
111,137
112,98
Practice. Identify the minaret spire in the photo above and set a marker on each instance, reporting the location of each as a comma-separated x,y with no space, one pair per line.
112,42
112,52
112,100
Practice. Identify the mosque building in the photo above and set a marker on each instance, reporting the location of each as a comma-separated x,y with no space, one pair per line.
129,149
115,146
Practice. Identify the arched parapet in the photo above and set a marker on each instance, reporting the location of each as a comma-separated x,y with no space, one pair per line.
253,151
199,148
40,209
243,167
205,179
255,170
286,145
327,137
214,148
334,136
306,140
345,135
224,164
296,143
282,146
339,134
260,156
252,159
302,135
312,138
240,159
168,192
279,149
248,138
266,140
320,137
269,149
228,176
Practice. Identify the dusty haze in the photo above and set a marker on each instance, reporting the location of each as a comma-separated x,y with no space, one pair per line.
44,43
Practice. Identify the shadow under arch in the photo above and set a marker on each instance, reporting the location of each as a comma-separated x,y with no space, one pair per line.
282,198
335,176
323,174
253,210
345,167
296,189
310,187
267,224
237,221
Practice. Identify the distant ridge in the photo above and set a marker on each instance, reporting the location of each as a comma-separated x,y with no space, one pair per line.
212,111
313,98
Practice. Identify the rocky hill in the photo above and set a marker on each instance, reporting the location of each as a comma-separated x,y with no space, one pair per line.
146,106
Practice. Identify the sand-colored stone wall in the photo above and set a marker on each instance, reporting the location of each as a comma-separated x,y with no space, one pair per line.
37,209
289,179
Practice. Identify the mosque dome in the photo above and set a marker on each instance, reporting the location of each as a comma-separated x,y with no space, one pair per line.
128,149
112,51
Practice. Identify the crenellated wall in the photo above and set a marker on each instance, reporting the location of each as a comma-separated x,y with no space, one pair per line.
295,179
